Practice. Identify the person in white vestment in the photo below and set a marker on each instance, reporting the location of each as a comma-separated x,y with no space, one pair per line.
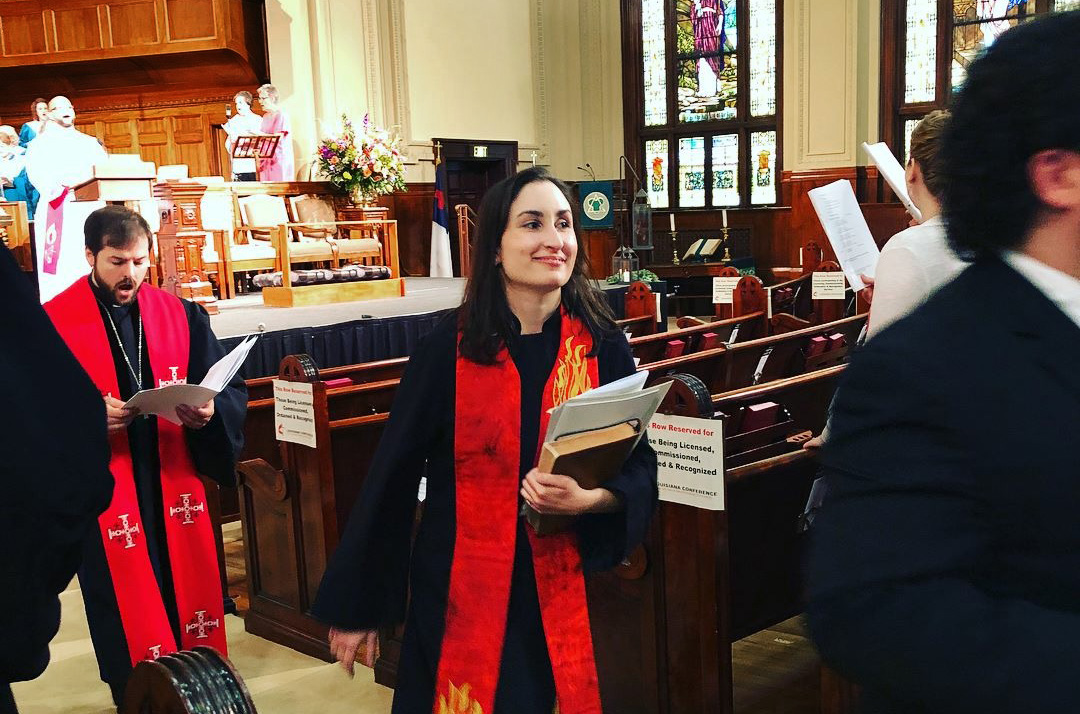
59,159
244,123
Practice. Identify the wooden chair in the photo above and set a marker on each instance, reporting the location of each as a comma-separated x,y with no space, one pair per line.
262,214
316,218
16,233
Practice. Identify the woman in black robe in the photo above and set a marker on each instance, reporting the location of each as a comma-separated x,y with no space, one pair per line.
528,280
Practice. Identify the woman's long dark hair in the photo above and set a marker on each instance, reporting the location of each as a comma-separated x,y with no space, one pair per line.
486,319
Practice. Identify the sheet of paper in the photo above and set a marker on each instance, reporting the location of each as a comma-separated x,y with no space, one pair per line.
164,400
689,460
844,224
294,412
893,173
574,415
827,286
626,385
225,368
723,289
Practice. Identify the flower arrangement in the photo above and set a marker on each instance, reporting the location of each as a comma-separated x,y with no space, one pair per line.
365,163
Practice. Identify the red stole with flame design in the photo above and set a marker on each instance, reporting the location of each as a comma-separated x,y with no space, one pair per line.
188,531
486,459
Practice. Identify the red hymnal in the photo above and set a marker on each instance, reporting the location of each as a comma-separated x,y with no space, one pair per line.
339,382
817,346
836,341
710,340
674,349
759,416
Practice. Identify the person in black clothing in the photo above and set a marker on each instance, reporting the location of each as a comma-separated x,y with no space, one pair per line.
55,475
944,568
472,406
149,576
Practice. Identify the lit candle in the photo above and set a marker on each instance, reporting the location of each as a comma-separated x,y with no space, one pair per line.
671,221
724,214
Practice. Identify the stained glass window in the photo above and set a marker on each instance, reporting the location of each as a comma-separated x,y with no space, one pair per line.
725,170
692,172
920,59
706,41
976,24
909,127
656,170
763,163
654,61
969,27
763,57
711,76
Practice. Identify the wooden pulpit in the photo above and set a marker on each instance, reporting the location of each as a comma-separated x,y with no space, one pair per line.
180,242
120,179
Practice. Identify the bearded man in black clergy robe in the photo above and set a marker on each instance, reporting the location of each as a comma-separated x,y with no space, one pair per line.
150,573
55,474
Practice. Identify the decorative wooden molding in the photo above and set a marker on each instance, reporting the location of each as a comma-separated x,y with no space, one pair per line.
540,95
806,42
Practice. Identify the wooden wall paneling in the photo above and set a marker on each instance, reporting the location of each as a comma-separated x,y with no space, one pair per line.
134,23
23,33
120,136
153,138
191,143
76,29
191,19
413,211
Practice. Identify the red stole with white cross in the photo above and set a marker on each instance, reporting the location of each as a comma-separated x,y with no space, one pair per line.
188,531
487,425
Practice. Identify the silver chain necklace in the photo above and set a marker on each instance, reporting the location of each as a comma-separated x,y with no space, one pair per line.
138,377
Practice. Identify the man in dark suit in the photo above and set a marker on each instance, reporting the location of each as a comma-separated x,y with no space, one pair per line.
54,475
944,572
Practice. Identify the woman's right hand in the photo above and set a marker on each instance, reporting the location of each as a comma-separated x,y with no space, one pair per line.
344,645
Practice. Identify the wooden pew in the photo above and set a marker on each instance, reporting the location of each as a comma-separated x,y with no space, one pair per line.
793,307
294,505
703,336
664,622
762,360
640,311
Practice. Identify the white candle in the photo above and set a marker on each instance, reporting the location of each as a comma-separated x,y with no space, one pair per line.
671,221
724,214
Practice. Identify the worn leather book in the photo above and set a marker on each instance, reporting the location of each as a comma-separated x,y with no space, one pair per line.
590,458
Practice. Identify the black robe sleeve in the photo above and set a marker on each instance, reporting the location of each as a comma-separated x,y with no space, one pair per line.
216,446
606,538
366,580
54,472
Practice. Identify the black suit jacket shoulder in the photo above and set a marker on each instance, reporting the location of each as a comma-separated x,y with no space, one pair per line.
944,572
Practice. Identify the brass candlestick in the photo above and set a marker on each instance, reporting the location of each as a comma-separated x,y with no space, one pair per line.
674,248
727,252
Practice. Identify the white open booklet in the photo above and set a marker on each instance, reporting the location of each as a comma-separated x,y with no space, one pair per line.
164,400
614,403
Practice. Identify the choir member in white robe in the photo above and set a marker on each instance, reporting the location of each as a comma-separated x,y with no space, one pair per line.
57,160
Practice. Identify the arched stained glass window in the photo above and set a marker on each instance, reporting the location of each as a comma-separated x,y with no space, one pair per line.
927,47
706,125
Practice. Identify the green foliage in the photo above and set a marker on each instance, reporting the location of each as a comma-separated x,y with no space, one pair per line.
644,275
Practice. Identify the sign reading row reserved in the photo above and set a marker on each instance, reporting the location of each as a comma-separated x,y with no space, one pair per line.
690,460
